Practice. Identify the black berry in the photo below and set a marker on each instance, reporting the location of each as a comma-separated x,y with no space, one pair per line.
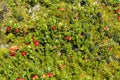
82,3
99,14
71,21
19,18
5,55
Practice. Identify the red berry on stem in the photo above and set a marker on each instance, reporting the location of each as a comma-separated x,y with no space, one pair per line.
118,10
110,48
63,65
23,53
33,37
12,53
118,17
35,77
60,9
54,28
68,38
8,28
22,78
106,28
36,43
13,48
49,74
16,30
17,78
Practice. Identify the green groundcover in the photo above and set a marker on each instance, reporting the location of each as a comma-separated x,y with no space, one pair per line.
59,39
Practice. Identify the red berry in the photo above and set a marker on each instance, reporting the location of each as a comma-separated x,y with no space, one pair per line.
110,48
35,77
17,78
118,10
63,65
20,78
118,17
16,30
106,28
33,37
8,28
12,53
36,43
118,5
13,48
49,74
54,28
68,38
60,9
23,53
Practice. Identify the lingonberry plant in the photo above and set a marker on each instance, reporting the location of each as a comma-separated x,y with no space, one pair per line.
59,40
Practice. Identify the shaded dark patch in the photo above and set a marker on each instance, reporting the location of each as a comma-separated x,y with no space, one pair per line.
116,37
36,50
83,34
32,30
10,41
1,15
30,70
104,2
87,36
93,17
63,51
82,2
98,59
1,71
7,32
108,60
105,33
99,53
91,49
5,8
75,47
15,1
31,3
94,23
72,1
118,42
28,57
96,44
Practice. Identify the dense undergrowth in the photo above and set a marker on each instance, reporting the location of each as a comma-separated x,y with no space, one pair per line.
60,40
